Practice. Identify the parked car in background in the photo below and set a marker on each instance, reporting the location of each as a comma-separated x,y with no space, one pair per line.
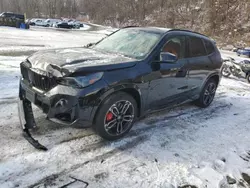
65,25
52,22
12,15
12,19
39,22
32,21
76,24
243,52
81,24
111,83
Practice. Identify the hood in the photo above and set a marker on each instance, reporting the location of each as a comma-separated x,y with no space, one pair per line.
62,62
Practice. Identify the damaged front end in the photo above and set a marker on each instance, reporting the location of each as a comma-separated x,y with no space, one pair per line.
33,88
58,97
27,122
66,84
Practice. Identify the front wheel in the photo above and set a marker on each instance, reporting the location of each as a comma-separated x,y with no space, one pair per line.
116,116
207,94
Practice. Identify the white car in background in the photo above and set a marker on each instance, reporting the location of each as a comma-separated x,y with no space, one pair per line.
52,22
39,22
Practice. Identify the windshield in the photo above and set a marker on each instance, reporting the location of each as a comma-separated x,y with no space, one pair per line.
129,42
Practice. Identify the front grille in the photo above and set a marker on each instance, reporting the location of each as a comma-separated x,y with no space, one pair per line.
37,80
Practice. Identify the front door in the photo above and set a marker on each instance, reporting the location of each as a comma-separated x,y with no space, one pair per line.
169,80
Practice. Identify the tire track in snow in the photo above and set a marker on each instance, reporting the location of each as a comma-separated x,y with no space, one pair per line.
182,115
135,142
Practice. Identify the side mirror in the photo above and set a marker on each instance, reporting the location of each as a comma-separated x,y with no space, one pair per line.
168,57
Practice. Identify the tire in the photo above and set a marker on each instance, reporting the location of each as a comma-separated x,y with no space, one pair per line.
110,123
224,72
248,78
207,94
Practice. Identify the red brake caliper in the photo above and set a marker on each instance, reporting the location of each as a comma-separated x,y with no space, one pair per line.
109,116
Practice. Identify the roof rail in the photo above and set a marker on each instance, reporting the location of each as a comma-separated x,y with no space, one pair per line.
188,31
130,26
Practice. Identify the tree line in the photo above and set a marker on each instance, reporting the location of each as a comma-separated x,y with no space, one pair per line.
227,18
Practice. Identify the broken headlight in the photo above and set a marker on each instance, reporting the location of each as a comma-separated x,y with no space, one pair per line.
81,81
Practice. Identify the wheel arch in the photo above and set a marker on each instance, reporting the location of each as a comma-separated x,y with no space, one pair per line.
130,89
215,76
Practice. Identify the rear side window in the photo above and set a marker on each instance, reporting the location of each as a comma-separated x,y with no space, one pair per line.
196,47
209,46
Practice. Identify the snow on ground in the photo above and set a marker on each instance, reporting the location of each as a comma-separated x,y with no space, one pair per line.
85,27
18,42
173,148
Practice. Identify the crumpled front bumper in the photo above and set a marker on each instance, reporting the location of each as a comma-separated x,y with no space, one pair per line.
26,116
27,122
62,104
60,108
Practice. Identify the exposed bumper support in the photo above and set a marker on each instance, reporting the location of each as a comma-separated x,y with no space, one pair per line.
27,122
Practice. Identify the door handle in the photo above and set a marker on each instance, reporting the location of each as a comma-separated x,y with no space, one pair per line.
181,73
183,88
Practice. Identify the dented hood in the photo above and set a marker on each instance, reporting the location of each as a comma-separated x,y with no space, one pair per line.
63,62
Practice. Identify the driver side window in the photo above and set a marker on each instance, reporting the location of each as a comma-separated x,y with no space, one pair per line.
176,45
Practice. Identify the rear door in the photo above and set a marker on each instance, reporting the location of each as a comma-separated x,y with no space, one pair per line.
199,64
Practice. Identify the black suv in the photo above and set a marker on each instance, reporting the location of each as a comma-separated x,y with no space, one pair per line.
126,75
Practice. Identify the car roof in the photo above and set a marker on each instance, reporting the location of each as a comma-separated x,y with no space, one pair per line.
158,30
161,30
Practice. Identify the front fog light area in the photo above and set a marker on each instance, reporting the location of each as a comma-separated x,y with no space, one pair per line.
61,103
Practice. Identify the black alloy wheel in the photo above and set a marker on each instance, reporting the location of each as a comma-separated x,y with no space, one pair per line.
207,94
116,116
119,117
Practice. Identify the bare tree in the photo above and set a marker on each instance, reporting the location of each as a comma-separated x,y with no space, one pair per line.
213,17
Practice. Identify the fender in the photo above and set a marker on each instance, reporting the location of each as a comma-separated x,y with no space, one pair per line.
210,76
114,89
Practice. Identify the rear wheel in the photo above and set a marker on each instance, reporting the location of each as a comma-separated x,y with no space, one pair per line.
207,94
116,116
